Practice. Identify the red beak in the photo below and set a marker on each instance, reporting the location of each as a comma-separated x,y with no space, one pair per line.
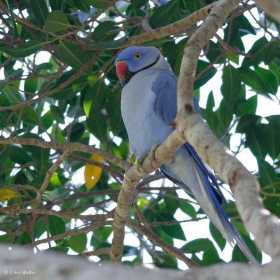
121,70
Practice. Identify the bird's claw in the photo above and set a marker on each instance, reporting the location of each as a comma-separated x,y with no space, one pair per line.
153,152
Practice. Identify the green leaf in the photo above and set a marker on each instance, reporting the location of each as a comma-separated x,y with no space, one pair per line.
78,242
231,87
97,121
23,239
217,236
163,260
261,80
172,11
224,116
31,85
237,28
215,52
39,11
56,225
47,119
247,107
210,257
205,71
77,132
210,254
197,245
238,256
268,79
100,236
175,231
55,4
262,51
71,54
6,238
267,174
56,22
30,116
187,208
102,4
40,227
171,202
261,138
19,155
274,67
106,30
23,49
250,125
271,131
57,134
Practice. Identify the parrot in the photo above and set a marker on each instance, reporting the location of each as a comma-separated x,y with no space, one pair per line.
148,110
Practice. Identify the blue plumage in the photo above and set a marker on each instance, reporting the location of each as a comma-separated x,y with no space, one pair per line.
165,105
149,106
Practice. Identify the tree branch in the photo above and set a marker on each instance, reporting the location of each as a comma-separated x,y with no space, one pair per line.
177,27
132,176
144,229
193,48
264,225
43,94
70,147
74,232
271,7
51,170
21,262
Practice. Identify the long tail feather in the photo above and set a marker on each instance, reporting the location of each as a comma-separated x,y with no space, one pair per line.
206,190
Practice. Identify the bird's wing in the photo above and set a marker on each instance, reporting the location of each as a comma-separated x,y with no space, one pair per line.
165,88
201,181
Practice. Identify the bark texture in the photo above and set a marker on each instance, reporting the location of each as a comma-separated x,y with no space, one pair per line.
21,263
271,7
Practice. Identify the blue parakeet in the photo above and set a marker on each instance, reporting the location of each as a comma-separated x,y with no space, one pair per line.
148,108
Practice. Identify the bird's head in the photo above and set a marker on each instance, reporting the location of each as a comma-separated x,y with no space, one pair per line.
133,60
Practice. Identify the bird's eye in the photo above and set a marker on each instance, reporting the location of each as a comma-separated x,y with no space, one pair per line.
137,55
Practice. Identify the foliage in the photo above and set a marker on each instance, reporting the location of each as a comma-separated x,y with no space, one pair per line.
58,84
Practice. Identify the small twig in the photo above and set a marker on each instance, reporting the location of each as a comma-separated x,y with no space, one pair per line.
51,170
71,147
143,228
180,26
73,232
44,94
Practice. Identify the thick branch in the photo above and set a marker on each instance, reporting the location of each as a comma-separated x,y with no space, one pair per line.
271,7
154,160
264,226
177,27
260,222
194,46
22,263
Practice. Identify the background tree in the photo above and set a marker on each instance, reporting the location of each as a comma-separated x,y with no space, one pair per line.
60,111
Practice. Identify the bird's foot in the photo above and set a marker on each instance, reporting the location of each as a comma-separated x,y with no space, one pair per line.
151,157
133,161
